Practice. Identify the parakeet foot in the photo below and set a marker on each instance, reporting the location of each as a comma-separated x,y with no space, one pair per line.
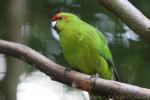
67,70
95,78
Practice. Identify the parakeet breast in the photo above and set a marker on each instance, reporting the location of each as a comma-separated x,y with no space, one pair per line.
81,49
78,52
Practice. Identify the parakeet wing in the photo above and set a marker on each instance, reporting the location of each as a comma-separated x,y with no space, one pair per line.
105,52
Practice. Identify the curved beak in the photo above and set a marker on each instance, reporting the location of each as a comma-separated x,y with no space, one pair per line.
55,31
53,24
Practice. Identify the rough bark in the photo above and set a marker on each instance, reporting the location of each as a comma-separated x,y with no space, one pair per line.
79,80
130,15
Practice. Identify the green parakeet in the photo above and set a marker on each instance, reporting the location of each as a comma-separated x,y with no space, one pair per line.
83,46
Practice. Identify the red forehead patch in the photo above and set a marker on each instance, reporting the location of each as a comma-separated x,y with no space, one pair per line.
55,17
59,16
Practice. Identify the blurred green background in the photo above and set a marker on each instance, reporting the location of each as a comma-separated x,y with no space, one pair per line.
29,22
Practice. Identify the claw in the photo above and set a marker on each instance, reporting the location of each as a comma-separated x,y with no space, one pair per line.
67,70
95,78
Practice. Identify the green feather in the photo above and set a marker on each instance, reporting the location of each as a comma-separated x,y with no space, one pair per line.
84,47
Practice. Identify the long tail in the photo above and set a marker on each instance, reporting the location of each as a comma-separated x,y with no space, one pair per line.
115,74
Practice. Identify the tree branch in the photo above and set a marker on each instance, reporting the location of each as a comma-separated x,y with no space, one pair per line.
130,15
79,80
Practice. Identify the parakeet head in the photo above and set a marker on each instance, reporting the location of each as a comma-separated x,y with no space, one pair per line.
61,20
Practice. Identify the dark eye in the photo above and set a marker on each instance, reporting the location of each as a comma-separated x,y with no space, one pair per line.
61,17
